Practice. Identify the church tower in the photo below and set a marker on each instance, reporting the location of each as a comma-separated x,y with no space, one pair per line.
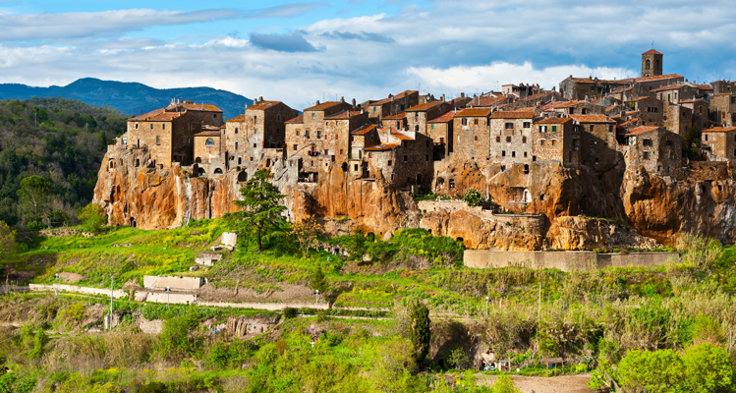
651,63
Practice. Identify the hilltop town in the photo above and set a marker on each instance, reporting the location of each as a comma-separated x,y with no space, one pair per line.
591,164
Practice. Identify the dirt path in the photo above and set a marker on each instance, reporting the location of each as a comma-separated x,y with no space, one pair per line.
560,384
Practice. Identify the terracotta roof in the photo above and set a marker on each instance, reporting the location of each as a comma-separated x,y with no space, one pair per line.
654,78
263,105
157,115
474,112
344,115
297,120
382,147
397,116
703,87
668,87
401,136
641,130
592,118
651,52
425,107
191,106
553,120
396,97
630,122
610,108
323,106
691,100
460,101
562,104
638,99
365,129
448,116
173,111
237,119
488,101
538,96
720,129
512,115
208,133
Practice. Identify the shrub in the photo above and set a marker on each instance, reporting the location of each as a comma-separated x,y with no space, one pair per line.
420,331
92,217
473,198
289,312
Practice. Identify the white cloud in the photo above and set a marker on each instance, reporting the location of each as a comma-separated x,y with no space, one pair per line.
492,76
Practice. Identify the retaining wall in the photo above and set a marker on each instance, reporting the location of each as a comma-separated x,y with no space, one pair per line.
173,283
564,260
77,289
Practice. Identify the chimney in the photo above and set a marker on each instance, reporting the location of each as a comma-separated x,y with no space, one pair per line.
342,100
462,94
317,102
354,103
260,99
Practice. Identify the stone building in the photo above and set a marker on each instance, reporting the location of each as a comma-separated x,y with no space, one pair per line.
418,115
567,108
402,158
573,88
208,147
262,126
651,63
648,108
723,109
510,137
471,134
168,132
655,149
700,112
555,139
677,118
397,121
393,104
597,140
673,94
719,143
440,130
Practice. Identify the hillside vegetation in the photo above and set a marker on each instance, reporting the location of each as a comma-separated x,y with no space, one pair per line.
62,142
631,327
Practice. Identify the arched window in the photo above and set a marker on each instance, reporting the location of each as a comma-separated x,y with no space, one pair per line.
242,176
209,142
647,65
218,171
198,160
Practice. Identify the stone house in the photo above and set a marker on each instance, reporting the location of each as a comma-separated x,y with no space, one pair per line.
262,126
402,158
555,139
440,130
723,109
471,135
597,140
510,137
651,63
673,94
397,121
567,108
490,100
649,109
700,112
644,86
366,135
655,149
677,118
418,115
573,88
719,143
168,132
208,146
393,104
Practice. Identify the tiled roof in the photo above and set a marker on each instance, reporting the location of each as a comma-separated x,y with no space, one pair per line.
401,136
297,120
638,99
641,130
323,106
263,105
344,115
654,78
382,147
173,111
720,129
448,116
460,102
396,97
397,116
425,107
630,122
512,115
651,52
157,115
474,112
703,87
668,87
237,119
562,104
365,129
488,101
190,106
208,133
591,118
692,100
554,120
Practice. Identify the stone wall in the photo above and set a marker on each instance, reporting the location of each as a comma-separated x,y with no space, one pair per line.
173,283
564,260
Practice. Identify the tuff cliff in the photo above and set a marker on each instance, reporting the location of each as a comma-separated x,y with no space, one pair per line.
546,205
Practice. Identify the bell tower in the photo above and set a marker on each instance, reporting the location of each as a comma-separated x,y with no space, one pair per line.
651,63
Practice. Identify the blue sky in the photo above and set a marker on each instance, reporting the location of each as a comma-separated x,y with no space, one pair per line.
299,52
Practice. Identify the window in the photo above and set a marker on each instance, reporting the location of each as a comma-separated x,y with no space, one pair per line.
163,126
138,143
295,147
513,154
464,121
541,142
355,167
431,127
297,131
306,133
527,124
591,128
476,137
209,142
646,142
647,64
554,128
236,145
475,122
524,154
236,131
151,125
312,115
542,128
426,158
158,140
523,139
554,142
389,163
706,137
136,126
498,139
508,139
509,126
646,155
319,134
610,128
406,158
503,153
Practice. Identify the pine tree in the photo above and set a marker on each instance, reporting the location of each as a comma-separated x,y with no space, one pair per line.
420,331
261,204
318,281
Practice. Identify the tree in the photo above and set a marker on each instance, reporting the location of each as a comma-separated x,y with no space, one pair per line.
34,200
92,217
7,240
473,198
306,232
260,203
420,334
318,281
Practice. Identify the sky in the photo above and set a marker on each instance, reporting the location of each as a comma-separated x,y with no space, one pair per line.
300,52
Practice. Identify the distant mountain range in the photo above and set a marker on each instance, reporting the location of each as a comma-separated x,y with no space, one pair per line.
129,98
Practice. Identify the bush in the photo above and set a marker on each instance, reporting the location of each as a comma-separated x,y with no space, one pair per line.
420,331
92,218
175,340
290,312
473,198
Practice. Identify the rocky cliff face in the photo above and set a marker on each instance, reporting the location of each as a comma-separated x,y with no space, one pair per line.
551,205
